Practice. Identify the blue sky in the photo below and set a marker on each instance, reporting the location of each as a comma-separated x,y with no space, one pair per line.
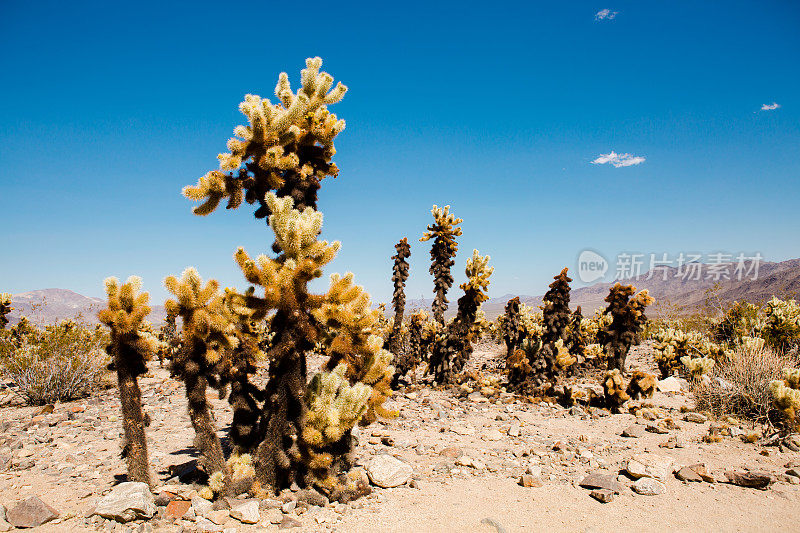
107,110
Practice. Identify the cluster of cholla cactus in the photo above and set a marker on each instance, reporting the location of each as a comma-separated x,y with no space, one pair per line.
131,349
5,309
628,319
544,354
781,329
399,277
293,430
421,335
675,349
443,231
453,346
617,391
786,395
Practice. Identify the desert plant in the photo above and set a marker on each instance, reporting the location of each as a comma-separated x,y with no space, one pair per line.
5,309
399,277
675,349
556,315
512,329
740,319
782,324
740,386
641,385
443,231
453,348
576,336
615,391
628,318
303,429
58,363
131,349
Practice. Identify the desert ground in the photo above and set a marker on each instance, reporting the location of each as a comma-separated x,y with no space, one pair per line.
467,455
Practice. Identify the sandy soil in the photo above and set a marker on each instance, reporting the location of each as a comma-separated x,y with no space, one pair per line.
466,466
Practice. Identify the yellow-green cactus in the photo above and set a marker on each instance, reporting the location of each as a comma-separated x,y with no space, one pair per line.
131,349
286,147
697,366
615,389
785,398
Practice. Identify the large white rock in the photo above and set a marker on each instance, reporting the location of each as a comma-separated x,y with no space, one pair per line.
386,471
127,501
670,384
649,465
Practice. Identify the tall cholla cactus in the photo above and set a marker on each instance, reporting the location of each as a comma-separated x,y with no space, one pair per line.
576,337
131,349
443,231
287,147
203,361
453,348
5,309
556,315
512,328
399,277
306,430
626,325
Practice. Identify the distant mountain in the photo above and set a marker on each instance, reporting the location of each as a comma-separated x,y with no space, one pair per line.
48,306
672,292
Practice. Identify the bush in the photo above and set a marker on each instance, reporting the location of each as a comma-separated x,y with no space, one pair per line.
740,386
59,363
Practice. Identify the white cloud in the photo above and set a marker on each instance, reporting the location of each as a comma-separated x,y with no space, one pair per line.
770,107
605,14
618,160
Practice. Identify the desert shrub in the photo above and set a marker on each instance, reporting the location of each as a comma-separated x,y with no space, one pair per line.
741,385
55,364
739,320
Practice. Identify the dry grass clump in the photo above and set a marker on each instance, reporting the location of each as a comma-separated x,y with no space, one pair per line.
740,386
59,363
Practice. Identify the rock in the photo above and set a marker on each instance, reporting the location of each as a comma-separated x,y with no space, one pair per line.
492,435
201,506
649,465
273,516
477,397
207,526
177,509
289,506
687,474
602,495
464,460
601,480
755,480
634,431
658,428
127,501
697,418
463,430
453,452
670,384
700,470
528,480
648,486
219,516
793,472
514,430
288,523
386,471
4,526
30,513
312,497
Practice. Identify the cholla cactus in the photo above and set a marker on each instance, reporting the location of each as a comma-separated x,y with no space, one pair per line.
5,309
209,334
512,329
642,385
576,336
131,349
287,147
615,389
443,231
399,277
697,366
452,349
786,394
782,328
672,345
556,318
628,319
418,345
739,320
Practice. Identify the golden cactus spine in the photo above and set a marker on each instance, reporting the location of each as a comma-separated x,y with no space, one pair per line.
399,277
443,231
131,349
